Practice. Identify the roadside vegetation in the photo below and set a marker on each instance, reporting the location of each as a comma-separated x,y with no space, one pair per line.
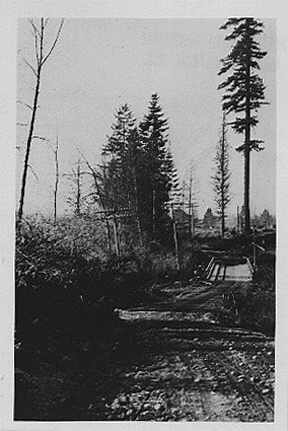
68,290
67,283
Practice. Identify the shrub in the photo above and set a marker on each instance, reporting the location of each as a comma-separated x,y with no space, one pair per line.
68,281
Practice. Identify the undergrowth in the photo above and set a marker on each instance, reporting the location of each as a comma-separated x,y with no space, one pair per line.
68,282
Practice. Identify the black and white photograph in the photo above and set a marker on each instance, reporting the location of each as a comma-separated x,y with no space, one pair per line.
145,219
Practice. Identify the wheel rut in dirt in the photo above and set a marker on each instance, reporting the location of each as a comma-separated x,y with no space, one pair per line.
189,368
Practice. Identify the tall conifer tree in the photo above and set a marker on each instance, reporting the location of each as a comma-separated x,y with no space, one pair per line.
117,181
221,179
158,171
244,89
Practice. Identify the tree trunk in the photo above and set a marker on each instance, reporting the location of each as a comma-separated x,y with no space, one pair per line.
175,236
78,192
237,220
28,145
247,185
223,223
223,179
41,58
138,221
153,212
192,221
190,207
116,235
99,192
247,140
56,180
108,233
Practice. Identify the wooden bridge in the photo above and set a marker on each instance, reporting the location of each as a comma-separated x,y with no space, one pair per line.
222,269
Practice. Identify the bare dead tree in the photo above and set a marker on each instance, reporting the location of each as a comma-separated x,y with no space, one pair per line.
190,209
74,176
41,57
78,188
138,221
175,237
99,194
56,177
189,197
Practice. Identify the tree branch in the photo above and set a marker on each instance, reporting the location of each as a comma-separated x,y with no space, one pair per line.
41,138
35,28
24,104
54,43
33,172
36,35
30,66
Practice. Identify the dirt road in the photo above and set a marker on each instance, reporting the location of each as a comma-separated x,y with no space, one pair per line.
192,370
175,363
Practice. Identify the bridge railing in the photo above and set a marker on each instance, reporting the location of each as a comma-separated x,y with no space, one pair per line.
209,268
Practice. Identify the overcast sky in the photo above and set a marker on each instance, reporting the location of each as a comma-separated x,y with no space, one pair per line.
100,64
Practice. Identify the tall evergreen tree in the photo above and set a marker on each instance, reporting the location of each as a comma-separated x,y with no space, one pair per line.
139,172
117,181
244,89
134,167
158,167
221,179
117,143
121,175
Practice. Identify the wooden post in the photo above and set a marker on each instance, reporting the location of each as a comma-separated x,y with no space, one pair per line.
108,235
238,221
254,249
116,235
183,195
193,221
